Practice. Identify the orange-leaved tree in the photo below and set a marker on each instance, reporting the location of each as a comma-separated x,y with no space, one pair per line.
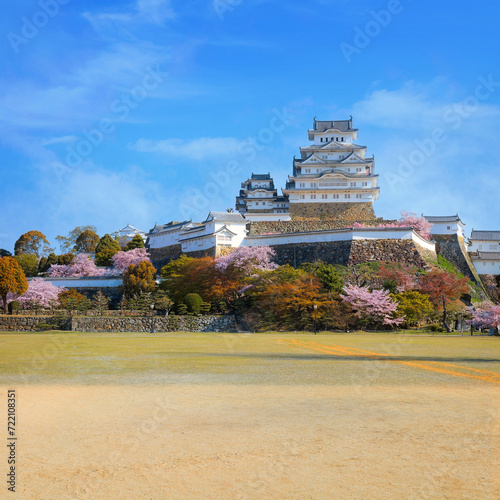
12,279
33,242
139,279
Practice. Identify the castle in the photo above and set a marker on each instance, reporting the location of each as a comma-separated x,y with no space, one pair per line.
332,187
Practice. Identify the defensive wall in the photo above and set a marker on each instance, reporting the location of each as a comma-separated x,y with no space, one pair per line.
341,211
349,246
124,324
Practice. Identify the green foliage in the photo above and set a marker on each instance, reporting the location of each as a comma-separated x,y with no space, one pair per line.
44,327
193,302
182,309
15,306
32,242
205,307
163,303
52,258
414,305
67,243
105,249
5,253
71,300
448,266
390,285
135,242
87,241
330,278
28,263
100,302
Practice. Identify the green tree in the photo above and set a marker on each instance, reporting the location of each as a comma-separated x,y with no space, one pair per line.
28,263
330,278
139,279
12,279
5,253
52,258
87,241
193,302
100,302
71,300
105,249
33,242
67,243
414,305
135,242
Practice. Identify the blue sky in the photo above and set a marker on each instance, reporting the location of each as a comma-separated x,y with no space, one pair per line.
147,111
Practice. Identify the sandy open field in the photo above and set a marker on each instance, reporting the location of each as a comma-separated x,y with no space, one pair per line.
124,416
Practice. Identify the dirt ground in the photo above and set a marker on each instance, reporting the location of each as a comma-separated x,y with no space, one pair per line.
261,440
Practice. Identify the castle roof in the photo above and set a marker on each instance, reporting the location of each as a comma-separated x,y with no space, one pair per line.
486,256
342,125
433,219
261,177
169,226
224,217
485,235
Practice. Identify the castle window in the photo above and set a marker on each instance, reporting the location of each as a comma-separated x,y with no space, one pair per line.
313,197
302,184
365,184
314,184
302,196
358,170
336,196
353,184
321,140
324,196
347,196
358,196
342,139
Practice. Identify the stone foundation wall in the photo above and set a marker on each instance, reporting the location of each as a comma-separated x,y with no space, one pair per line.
209,252
347,253
453,248
300,226
162,256
126,324
348,212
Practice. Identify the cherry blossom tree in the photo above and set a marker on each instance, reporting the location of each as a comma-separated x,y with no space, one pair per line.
485,315
81,266
40,293
122,260
249,259
372,307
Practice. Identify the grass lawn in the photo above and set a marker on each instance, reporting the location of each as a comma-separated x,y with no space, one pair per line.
132,358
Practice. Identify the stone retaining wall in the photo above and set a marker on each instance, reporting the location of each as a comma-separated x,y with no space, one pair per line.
125,324
162,256
347,253
301,226
453,249
348,212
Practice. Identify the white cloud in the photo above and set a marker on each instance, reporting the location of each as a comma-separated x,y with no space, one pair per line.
197,149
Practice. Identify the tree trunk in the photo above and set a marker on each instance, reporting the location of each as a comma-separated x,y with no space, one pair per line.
447,328
5,308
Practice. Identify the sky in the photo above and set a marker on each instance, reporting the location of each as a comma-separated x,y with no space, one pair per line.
148,111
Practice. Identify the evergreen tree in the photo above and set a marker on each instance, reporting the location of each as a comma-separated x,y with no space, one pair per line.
135,242
105,249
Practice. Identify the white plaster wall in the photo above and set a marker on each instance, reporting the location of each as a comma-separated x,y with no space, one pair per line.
487,267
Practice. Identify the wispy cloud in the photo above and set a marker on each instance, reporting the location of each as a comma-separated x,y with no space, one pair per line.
65,139
197,149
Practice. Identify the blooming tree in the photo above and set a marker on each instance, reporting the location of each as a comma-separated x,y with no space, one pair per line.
41,293
485,315
122,260
248,259
372,306
408,219
81,266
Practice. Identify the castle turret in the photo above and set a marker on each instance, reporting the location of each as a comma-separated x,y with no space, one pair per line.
332,170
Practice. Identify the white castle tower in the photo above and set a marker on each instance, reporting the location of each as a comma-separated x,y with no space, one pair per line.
332,170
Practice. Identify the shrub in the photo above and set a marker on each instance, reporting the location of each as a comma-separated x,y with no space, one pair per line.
182,309
43,327
193,302
14,306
